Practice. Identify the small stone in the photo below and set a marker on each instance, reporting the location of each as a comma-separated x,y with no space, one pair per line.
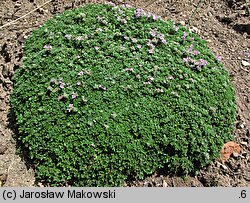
7,81
235,154
5,71
223,166
40,10
210,14
182,22
194,30
17,5
3,178
240,125
244,143
164,183
245,63
248,133
3,149
3,95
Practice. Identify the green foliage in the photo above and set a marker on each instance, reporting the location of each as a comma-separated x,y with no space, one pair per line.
107,93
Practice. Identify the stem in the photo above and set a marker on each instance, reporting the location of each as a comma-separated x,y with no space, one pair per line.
195,10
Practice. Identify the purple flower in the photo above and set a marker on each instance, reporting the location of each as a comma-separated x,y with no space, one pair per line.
155,17
149,14
164,41
170,77
68,36
128,5
79,38
96,47
138,12
150,44
198,68
159,90
219,57
137,15
196,63
190,48
161,36
111,3
70,107
78,83
150,78
99,29
98,18
203,62
129,69
134,40
139,46
185,60
147,83
196,52
150,51
47,47
153,33
62,85
126,37
73,95
184,35
80,73
123,20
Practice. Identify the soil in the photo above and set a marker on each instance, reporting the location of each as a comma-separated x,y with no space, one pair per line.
224,24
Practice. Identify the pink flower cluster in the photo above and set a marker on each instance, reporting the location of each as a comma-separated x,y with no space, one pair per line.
152,47
198,64
139,12
47,47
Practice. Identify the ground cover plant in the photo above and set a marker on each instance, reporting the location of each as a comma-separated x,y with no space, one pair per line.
107,93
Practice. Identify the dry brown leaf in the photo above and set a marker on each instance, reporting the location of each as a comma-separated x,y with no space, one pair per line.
228,149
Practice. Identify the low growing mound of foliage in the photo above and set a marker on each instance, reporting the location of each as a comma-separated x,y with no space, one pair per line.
107,93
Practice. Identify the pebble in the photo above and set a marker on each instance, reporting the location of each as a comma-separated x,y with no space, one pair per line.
241,125
235,154
194,30
218,164
3,148
3,179
244,143
17,5
223,166
3,95
164,183
182,22
245,63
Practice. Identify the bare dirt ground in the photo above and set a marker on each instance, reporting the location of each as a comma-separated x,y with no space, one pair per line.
225,24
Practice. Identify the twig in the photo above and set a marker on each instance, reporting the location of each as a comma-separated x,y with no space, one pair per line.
7,24
194,12
150,3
